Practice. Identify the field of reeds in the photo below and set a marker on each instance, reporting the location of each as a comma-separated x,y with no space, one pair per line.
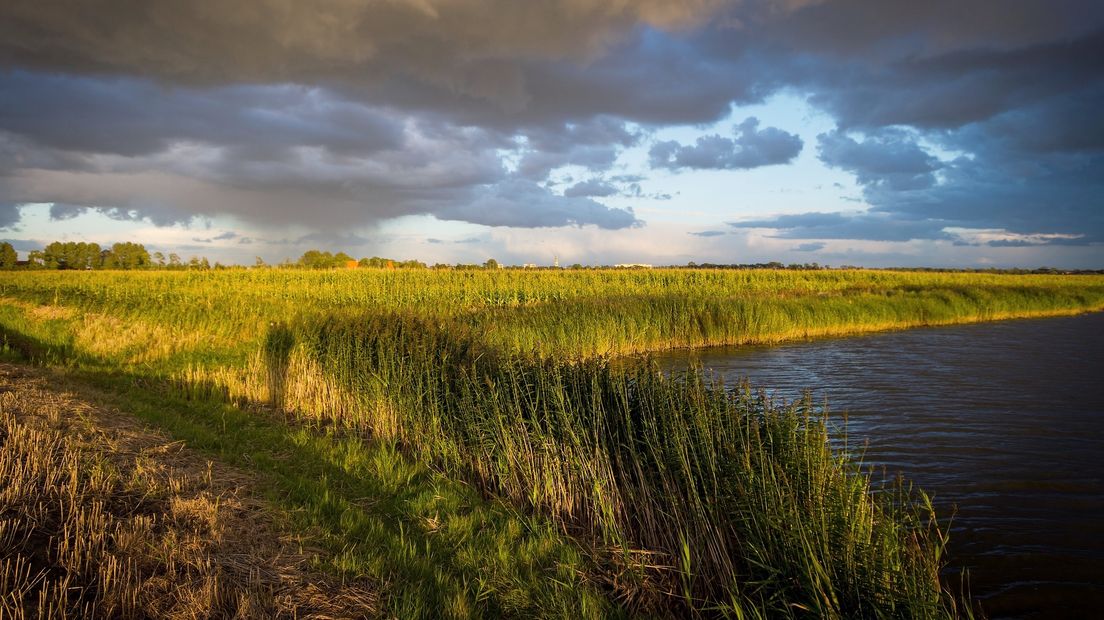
661,494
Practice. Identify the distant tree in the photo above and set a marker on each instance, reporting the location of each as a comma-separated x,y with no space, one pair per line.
8,256
126,255
53,256
259,263
71,255
314,259
375,262
490,264
174,261
160,258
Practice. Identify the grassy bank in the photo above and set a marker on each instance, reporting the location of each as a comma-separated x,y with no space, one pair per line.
679,496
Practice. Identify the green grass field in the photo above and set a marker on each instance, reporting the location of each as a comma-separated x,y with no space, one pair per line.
463,437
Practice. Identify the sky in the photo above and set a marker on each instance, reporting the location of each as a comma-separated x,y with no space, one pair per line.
948,133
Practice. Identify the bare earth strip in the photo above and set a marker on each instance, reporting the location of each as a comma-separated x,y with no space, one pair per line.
102,517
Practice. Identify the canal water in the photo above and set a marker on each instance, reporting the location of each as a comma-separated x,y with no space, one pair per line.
1001,422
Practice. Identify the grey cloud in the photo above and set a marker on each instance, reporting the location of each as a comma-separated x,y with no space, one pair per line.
220,237
591,187
1010,243
129,117
60,211
955,88
1027,171
594,145
520,202
466,241
866,226
858,28
889,159
333,239
815,246
750,148
537,164
9,215
709,233
438,162
24,245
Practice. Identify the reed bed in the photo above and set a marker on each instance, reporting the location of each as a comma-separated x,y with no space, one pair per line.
699,499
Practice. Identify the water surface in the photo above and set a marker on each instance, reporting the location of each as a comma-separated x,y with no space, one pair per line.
1003,420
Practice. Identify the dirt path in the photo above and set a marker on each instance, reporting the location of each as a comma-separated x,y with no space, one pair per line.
103,517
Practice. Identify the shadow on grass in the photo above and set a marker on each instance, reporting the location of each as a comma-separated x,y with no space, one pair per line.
439,549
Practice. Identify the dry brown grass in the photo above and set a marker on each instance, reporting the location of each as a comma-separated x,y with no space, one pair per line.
102,518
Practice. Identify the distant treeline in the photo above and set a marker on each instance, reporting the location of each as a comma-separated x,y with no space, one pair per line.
815,266
129,255
90,256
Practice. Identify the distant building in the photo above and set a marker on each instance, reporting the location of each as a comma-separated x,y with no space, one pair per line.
351,264
529,266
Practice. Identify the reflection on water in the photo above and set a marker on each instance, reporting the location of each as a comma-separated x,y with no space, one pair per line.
1003,420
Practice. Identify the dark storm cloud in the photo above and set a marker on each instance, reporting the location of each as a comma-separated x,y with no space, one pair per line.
751,148
954,89
270,40
343,113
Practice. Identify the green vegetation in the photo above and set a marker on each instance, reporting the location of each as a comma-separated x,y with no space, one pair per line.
402,387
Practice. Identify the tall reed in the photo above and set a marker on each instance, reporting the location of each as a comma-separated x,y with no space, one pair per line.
707,499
